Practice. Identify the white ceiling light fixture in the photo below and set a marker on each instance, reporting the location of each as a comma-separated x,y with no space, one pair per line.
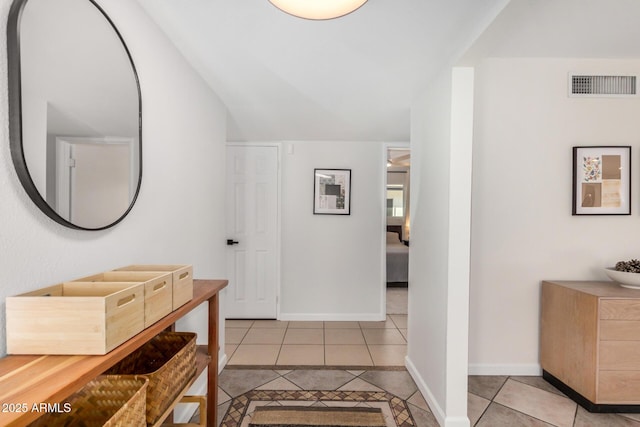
318,9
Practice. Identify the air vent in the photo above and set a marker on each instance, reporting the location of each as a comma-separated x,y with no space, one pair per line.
592,85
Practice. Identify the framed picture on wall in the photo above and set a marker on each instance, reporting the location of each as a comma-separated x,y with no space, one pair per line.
332,192
602,180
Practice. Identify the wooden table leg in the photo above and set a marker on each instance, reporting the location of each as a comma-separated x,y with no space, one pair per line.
212,371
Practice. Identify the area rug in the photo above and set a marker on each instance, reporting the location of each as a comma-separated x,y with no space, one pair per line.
242,408
288,416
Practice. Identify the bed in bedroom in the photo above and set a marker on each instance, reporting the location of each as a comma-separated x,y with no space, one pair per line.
397,258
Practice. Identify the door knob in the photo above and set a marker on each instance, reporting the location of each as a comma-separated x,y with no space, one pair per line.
231,242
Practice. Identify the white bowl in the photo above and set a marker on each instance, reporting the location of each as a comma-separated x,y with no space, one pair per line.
624,278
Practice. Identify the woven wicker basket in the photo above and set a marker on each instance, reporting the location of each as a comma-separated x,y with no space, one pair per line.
168,361
108,400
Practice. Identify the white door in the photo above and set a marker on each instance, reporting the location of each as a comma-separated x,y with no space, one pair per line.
252,220
93,181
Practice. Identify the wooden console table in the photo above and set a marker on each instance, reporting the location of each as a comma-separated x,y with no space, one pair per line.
590,341
49,379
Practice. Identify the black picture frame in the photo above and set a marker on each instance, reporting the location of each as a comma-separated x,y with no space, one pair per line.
332,191
602,180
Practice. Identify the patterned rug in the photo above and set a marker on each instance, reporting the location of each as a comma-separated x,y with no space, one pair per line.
242,407
293,416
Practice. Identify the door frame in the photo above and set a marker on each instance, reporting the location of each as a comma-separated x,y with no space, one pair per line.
63,174
278,147
385,149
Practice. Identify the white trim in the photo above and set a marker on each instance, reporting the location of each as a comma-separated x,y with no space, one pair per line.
437,411
222,362
183,412
63,179
332,317
64,174
457,422
522,369
459,246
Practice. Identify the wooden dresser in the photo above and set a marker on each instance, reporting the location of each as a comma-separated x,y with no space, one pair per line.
28,380
590,343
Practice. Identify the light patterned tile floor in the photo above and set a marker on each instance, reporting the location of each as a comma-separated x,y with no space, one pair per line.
314,343
493,401
317,343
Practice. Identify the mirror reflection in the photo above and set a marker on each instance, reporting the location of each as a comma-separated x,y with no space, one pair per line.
79,110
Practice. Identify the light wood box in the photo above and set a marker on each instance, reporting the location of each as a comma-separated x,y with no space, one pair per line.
590,341
74,318
182,279
158,290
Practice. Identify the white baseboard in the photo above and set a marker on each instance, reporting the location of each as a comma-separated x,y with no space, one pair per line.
184,412
222,362
457,422
435,407
532,369
328,317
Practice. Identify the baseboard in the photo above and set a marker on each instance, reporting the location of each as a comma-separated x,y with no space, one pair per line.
586,403
329,317
437,411
532,369
183,412
397,284
222,362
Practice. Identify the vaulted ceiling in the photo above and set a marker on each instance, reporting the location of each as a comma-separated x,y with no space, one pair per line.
354,78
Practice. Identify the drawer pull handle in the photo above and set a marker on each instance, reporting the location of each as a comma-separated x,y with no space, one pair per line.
184,275
159,286
126,300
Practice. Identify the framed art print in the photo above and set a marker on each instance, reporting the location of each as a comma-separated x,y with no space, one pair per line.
602,180
332,191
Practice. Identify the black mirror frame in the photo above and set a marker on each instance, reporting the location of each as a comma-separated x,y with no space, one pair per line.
15,116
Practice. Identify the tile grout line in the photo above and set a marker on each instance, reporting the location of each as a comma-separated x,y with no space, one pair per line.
373,363
281,344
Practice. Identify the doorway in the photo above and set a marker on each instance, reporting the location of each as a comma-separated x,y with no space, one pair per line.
252,202
94,179
397,225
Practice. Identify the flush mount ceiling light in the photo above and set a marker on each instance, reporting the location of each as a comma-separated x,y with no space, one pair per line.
318,9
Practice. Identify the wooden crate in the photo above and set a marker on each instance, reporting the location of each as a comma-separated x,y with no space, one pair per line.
182,279
158,290
74,318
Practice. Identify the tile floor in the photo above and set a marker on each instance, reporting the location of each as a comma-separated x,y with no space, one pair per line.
282,343
243,383
500,401
493,401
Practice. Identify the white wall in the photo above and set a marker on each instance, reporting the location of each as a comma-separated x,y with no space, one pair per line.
177,218
522,228
332,264
441,141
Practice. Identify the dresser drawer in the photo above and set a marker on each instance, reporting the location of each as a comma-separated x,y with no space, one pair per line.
619,356
619,387
619,330
620,309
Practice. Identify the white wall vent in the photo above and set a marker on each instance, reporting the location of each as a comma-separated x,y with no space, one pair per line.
602,85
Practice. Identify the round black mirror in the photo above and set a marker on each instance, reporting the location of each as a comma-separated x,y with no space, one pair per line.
75,112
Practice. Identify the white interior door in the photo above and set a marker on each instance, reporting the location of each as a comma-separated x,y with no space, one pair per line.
252,224
93,181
